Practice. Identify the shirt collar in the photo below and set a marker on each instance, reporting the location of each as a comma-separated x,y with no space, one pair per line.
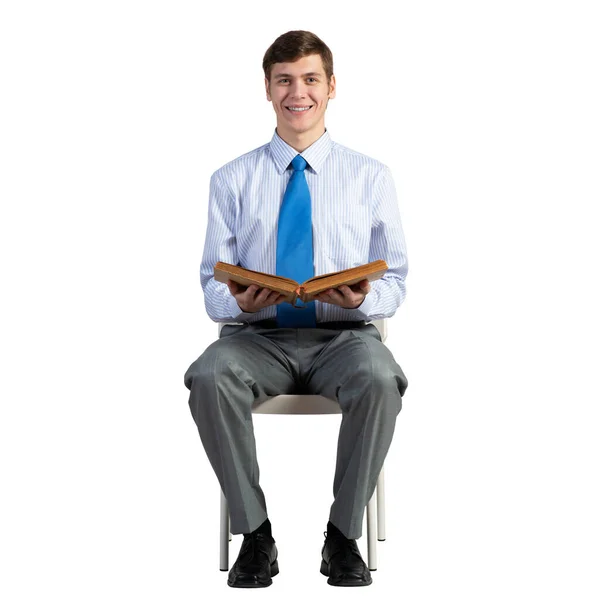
315,155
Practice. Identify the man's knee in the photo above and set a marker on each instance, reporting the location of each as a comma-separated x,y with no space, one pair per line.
387,373
210,364
383,384
195,371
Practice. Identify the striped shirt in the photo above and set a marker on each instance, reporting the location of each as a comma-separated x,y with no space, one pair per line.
355,219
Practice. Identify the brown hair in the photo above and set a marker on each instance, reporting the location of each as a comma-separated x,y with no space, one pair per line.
293,45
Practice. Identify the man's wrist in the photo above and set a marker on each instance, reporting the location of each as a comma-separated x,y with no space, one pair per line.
248,312
354,307
365,307
236,310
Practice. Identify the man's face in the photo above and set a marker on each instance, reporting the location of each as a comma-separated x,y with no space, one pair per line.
300,84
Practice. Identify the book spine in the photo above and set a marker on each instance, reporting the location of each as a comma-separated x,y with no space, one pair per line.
297,293
300,294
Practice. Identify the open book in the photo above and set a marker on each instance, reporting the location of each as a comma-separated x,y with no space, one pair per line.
304,291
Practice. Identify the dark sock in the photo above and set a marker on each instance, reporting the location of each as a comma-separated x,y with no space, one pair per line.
264,527
333,530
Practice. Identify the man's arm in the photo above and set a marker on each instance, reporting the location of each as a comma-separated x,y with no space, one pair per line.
387,242
220,244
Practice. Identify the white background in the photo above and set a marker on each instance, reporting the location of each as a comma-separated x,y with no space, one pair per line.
113,117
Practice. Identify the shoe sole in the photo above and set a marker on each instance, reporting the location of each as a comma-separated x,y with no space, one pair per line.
343,582
243,584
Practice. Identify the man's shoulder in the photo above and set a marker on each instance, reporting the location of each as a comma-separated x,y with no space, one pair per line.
244,161
358,156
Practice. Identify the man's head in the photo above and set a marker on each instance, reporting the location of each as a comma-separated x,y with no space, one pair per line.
298,69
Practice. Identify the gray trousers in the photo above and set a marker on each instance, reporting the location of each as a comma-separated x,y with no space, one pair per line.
340,360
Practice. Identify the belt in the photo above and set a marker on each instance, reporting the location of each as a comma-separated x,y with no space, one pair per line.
272,324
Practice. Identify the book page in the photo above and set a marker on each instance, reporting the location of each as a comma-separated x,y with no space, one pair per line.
371,267
235,269
371,272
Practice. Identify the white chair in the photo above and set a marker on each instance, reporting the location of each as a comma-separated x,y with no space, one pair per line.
292,404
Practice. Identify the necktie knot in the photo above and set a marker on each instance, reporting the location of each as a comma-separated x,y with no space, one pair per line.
298,163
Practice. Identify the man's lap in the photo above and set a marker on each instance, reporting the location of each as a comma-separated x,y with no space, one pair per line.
311,360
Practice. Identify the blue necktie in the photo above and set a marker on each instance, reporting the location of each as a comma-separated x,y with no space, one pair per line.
295,246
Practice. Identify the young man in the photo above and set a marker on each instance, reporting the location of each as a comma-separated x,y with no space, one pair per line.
299,206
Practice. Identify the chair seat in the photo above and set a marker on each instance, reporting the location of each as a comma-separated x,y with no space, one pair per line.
296,404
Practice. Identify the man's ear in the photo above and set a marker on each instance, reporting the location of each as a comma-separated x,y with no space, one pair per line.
332,86
267,89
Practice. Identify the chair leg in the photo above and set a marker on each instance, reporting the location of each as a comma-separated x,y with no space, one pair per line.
381,506
225,535
371,534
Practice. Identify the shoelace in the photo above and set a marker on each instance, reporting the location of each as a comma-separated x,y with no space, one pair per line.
252,542
347,548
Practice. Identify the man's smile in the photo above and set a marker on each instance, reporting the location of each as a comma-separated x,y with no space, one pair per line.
299,109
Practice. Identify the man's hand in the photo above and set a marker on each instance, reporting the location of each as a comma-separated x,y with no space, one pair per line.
346,296
253,298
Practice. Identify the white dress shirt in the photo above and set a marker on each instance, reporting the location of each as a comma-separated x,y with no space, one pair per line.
355,220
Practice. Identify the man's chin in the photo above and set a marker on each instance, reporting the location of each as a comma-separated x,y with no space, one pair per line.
299,127
287,128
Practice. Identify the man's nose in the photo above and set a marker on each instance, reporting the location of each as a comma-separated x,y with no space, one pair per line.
298,88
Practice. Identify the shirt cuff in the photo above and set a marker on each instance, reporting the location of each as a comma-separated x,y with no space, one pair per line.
362,312
238,314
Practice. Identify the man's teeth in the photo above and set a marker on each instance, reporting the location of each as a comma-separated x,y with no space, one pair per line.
298,109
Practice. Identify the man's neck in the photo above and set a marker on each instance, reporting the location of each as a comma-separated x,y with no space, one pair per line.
300,142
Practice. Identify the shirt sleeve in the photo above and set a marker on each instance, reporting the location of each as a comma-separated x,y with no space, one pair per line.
388,243
220,245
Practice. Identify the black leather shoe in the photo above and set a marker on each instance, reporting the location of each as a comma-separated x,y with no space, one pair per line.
342,562
256,562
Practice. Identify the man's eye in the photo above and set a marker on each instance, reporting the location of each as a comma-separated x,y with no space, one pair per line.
309,79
